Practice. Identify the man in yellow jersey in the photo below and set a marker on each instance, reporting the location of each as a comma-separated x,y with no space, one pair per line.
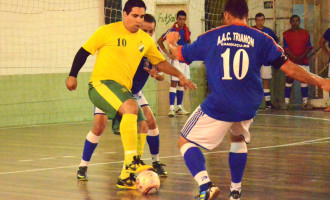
120,47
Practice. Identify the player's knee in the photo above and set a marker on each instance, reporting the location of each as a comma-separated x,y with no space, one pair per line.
129,107
98,129
151,123
182,141
142,127
236,138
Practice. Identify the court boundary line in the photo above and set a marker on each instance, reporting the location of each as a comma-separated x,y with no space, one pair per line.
307,142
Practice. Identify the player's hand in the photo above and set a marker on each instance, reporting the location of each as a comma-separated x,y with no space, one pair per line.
187,83
325,85
71,83
172,57
152,72
172,38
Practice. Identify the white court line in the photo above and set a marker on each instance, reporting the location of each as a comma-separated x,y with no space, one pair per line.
297,116
307,142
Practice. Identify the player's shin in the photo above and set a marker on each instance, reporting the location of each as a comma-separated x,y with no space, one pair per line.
237,163
128,133
195,162
141,140
90,144
153,142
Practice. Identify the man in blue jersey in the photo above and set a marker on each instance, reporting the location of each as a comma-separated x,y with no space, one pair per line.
233,55
149,133
180,27
266,71
326,38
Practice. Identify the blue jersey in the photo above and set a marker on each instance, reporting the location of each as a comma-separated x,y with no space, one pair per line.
269,31
141,76
233,56
326,36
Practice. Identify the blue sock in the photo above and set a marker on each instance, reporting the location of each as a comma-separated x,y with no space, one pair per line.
153,142
304,91
237,162
195,162
172,98
88,150
179,97
287,92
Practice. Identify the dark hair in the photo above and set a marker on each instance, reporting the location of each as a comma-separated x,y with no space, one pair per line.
259,15
130,4
294,16
149,18
237,8
181,13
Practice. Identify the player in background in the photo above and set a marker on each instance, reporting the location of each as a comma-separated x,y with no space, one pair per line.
233,56
180,27
120,47
266,71
297,45
323,40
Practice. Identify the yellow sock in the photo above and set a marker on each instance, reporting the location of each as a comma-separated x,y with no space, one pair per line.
128,133
124,174
141,140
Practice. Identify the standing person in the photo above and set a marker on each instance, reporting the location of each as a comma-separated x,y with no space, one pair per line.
233,56
266,71
323,40
180,27
120,47
297,45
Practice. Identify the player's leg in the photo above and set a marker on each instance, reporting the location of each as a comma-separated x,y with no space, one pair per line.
266,75
91,142
304,92
172,96
153,141
238,155
201,130
287,92
114,98
184,68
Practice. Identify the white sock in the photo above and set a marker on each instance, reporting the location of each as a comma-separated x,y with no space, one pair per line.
235,186
154,158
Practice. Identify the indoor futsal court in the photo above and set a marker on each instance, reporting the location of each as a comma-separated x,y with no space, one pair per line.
287,160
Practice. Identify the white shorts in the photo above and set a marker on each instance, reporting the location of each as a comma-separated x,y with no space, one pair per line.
139,98
266,72
208,132
182,67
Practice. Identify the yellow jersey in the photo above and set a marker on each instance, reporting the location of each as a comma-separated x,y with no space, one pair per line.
119,53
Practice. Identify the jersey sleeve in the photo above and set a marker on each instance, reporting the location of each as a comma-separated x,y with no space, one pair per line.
309,44
192,52
153,54
285,44
96,41
165,34
275,54
273,35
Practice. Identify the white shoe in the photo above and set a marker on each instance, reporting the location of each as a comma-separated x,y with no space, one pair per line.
181,111
171,113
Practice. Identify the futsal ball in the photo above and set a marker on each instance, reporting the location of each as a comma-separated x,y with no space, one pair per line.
147,182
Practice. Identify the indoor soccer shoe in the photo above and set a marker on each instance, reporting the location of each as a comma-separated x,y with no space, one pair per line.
128,183
137,166
171,113
211,193
235,195
82,173
181,111
158,167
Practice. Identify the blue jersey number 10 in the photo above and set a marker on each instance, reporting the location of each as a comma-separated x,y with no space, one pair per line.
236,64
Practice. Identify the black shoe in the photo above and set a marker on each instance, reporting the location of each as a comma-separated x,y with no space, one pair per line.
137,165
82,174
158,167
211,193
128,183
235,195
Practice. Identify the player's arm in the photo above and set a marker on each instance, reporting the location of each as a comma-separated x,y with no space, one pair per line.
160,43
172,39
324,48
165,67
287,50
154,72
78,63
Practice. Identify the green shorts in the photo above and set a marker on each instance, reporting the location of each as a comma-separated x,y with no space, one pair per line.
109,96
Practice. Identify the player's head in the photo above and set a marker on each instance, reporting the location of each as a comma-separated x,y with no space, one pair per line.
295,21
260,19
181,18
133,14
149,24
235,9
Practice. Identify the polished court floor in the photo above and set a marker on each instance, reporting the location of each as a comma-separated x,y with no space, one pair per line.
288,159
